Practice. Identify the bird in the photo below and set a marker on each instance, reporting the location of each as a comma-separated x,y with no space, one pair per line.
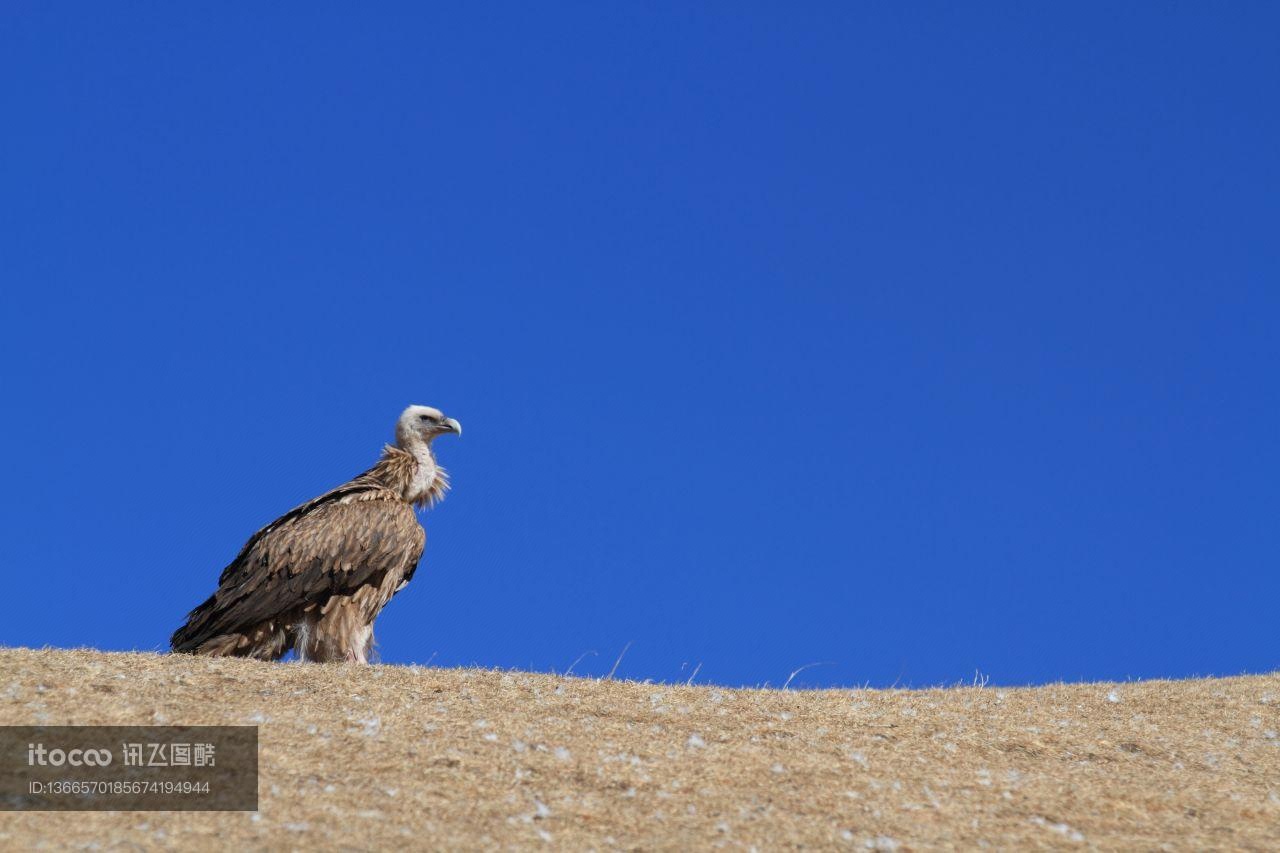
315,579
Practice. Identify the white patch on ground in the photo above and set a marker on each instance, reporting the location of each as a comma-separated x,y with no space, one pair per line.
369,726
1060,828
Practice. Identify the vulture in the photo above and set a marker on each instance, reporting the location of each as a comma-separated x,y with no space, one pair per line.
315,579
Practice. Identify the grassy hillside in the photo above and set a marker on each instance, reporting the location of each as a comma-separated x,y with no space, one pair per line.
379,757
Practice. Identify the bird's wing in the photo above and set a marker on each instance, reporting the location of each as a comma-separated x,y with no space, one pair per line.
331,546
353,490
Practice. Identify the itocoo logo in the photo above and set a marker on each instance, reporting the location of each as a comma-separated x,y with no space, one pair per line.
37,754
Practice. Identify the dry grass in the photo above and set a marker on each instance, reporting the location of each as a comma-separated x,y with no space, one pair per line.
383,757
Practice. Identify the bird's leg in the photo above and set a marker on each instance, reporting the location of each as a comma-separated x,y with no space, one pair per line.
359,651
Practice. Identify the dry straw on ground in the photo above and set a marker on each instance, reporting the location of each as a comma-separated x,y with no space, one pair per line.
391,757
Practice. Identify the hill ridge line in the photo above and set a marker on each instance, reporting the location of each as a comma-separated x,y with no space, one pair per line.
371,757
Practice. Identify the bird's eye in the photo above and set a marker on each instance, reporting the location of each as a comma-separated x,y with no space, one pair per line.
424,417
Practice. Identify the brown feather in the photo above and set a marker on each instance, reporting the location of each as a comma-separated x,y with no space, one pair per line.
318,576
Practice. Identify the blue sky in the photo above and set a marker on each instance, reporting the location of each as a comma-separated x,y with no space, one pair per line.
912,340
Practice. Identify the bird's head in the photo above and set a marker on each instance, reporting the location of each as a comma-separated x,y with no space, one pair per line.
423,423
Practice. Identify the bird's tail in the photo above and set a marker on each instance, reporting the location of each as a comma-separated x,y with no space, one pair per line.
196,632
203,635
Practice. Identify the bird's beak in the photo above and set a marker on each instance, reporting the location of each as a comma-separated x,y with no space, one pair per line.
453,425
